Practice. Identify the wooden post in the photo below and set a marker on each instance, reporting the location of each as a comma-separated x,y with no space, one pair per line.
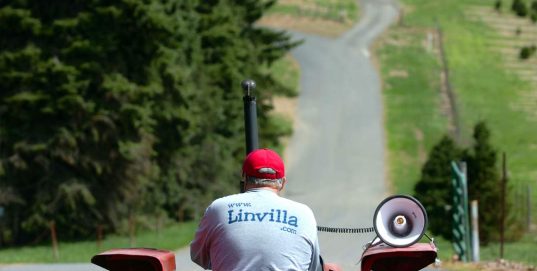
401,19
55,251
2,211
522,203
132,231
158,224
1,234
181,214
528,207
502,204
99,236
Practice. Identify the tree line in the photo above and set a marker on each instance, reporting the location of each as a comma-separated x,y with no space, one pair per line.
112,109
434,188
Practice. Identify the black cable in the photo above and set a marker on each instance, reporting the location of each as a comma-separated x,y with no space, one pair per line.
345,230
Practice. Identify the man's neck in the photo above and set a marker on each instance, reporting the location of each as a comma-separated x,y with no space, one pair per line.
267,188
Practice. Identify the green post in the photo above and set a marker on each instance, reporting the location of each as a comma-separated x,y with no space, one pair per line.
461,223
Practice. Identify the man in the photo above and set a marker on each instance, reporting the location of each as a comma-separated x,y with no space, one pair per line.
258,229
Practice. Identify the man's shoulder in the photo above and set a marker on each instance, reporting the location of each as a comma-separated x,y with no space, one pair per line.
244,199
297,205
223,201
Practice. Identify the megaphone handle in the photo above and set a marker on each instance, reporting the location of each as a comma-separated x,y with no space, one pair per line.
369,245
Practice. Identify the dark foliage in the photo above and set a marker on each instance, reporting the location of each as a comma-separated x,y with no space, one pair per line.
115,108
498,5
533,11
484,182
520,8
527,52
434,190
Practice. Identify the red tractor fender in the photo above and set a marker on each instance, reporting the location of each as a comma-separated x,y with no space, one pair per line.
135,259
414,257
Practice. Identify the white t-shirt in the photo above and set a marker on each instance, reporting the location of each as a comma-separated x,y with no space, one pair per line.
256,230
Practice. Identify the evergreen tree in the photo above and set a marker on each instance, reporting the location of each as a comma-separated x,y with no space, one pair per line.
80,81
113,108
231,48
434,188
483,182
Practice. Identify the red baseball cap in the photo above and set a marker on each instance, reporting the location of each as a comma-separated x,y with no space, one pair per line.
263,164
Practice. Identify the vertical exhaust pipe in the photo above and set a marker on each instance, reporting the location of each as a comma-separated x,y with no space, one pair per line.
250,119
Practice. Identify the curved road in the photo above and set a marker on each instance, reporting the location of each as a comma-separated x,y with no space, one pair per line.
335,158
336,155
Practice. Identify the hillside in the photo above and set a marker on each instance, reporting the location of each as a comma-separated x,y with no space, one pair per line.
447,65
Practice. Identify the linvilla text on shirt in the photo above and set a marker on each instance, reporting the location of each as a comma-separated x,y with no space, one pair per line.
277,216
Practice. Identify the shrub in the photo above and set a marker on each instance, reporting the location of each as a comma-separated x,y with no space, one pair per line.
434,190
533,11
498,5
484,182
527,51
520,8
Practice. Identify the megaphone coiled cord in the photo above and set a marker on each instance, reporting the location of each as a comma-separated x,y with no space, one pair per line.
345,230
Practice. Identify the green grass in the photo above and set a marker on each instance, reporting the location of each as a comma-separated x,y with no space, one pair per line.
484,88
286,72
170,238
521,251
411,106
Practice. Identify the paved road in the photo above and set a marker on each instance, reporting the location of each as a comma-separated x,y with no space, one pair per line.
335,158
336,155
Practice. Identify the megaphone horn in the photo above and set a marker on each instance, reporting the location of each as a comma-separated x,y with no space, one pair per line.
400,221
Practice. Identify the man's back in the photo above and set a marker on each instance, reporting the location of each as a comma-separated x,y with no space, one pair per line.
257,230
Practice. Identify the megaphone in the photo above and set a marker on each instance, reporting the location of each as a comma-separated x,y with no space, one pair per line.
400,221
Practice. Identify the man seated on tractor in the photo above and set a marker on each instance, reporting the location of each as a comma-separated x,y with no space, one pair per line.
258,229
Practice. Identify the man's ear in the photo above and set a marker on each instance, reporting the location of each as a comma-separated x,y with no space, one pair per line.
284,182
243,183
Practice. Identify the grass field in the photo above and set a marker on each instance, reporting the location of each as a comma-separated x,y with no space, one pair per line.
412,104
170,238
485,89
286,72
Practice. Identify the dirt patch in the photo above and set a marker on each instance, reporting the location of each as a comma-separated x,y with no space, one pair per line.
304,4
321,27
398,73
286,107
